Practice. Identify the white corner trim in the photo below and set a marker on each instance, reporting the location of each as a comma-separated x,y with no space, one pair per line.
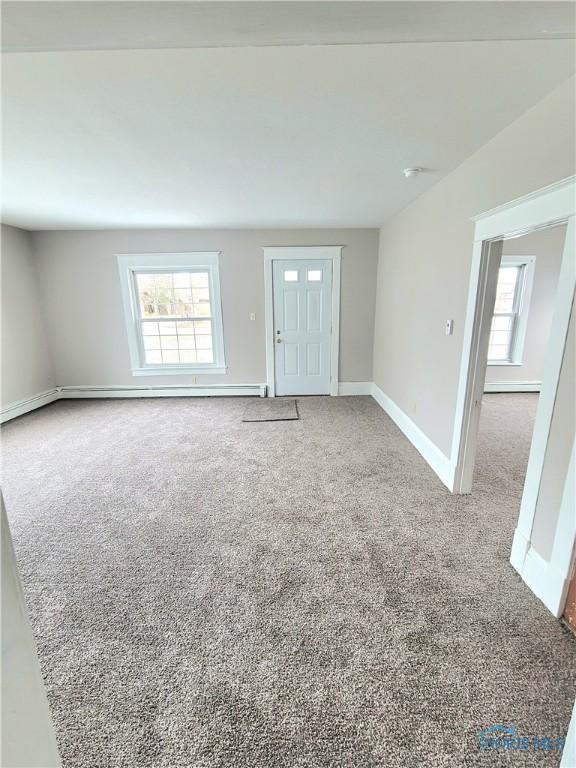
561,186
19,407
512,386
520,547
437,460
355,388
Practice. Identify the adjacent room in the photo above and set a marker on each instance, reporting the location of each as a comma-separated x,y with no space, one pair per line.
287,384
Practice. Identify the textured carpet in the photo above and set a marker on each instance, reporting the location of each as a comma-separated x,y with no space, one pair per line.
211,594
270,409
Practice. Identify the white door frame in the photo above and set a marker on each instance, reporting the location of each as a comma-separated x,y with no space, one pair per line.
555,204
292,253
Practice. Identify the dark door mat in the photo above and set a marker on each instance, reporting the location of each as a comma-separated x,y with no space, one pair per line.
271,409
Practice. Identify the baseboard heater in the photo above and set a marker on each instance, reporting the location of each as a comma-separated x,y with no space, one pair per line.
20,407
200,390
512,386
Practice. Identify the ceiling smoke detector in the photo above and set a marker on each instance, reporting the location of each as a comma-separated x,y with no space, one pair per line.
411,172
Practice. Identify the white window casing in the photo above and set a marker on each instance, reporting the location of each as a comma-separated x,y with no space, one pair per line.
170,265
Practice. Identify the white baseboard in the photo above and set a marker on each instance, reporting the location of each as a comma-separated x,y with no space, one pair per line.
216,390
438,461
512,386
545,581
569,753
20,407
540,575
355,388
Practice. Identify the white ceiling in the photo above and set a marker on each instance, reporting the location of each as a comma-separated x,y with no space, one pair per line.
255,136
64,26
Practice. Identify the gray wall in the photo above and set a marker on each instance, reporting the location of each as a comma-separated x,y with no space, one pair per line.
81,293
547,246
425,259
26,363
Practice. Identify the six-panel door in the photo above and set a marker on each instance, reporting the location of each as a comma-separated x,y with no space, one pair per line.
302,326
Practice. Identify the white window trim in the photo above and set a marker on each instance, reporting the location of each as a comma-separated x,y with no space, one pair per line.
517,351
128,265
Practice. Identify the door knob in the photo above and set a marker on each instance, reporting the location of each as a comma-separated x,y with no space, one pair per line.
278,341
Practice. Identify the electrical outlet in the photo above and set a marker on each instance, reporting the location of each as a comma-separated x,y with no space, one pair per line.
252,315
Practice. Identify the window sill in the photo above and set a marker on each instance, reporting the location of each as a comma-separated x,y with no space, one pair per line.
164,370
503,362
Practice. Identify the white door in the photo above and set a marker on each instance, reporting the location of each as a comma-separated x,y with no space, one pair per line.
302,326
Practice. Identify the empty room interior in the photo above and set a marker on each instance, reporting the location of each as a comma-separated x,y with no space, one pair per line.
288,384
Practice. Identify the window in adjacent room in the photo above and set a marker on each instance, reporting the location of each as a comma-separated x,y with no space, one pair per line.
510,320
173,313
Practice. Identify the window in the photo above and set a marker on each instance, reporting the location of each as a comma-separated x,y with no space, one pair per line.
290,275
173,313
511,308
314,275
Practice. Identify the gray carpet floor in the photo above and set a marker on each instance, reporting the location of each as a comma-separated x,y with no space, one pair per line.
208,593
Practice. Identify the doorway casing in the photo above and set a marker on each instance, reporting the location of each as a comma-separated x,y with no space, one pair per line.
547,207
291,253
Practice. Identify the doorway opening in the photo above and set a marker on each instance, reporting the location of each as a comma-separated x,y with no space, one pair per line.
496,327
526,290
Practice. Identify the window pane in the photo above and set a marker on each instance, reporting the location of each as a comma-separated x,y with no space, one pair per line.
291,275
183,295
502,323
166,294
199,279
153,358
151,342
172,341
179,342
314,275
204,342
169,342
201,310
181,280
497,352
506,289
500,337
186,342
146,288
188,356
